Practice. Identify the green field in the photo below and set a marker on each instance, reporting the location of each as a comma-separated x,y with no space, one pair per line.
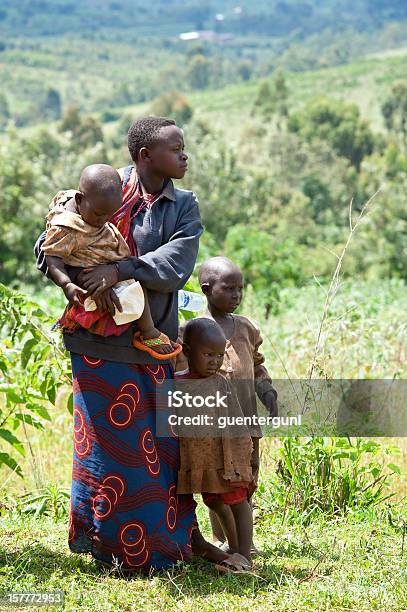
365,82
348,564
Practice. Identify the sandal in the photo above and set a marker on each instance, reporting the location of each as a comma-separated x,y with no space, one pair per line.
235,564
148,344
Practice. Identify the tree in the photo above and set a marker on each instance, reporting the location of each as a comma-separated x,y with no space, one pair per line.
52,104
4,111
23,193
337,123
86,131
263,96
319,195
394,111
174,105
245,69
197,48
198,72
71,119
272,98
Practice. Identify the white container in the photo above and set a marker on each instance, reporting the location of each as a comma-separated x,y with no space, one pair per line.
188,300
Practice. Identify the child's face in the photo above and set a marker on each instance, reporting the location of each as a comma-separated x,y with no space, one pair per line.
96,210
205,358
167,156
225,294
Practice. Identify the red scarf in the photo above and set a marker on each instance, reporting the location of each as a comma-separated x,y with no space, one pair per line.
133,199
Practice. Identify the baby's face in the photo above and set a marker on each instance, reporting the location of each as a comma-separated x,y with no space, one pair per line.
96,210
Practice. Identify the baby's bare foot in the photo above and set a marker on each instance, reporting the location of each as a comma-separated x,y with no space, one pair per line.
162,349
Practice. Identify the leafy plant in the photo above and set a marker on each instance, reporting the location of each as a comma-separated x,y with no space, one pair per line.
33,367
52,500
332,475
175,105
340,124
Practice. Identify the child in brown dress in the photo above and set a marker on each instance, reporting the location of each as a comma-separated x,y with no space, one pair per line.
216,464
221,281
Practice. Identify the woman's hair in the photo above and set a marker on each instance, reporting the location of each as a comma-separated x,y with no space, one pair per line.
145,132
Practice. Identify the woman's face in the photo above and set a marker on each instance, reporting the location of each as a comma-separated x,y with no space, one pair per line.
167,155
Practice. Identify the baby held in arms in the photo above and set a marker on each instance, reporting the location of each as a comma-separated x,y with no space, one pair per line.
83,230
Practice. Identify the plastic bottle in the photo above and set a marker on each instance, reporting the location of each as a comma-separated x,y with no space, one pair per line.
188,300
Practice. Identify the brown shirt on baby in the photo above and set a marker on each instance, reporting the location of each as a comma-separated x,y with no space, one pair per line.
76,242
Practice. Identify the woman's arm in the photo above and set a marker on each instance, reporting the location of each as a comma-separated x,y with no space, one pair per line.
164,270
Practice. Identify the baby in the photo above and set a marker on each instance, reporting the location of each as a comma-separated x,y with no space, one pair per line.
218,464
80,234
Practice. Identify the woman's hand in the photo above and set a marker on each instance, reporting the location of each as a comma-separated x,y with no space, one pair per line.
97,280
107,300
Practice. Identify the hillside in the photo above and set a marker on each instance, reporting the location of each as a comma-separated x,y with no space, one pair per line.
103,56
264,17
366,82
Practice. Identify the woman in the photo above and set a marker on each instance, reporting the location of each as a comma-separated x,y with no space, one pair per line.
124,509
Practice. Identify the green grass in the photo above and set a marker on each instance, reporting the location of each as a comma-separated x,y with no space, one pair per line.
365,337
349,564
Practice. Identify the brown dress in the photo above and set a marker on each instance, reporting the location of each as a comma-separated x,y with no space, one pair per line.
211,458
243,365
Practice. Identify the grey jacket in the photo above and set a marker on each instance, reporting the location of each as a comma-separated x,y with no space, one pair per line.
167,239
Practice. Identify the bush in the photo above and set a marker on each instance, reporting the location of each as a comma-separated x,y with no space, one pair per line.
86,131
51,108
267,265
33,367
339,124
173,105
330,476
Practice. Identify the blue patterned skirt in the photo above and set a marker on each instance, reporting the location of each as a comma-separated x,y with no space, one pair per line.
124,506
